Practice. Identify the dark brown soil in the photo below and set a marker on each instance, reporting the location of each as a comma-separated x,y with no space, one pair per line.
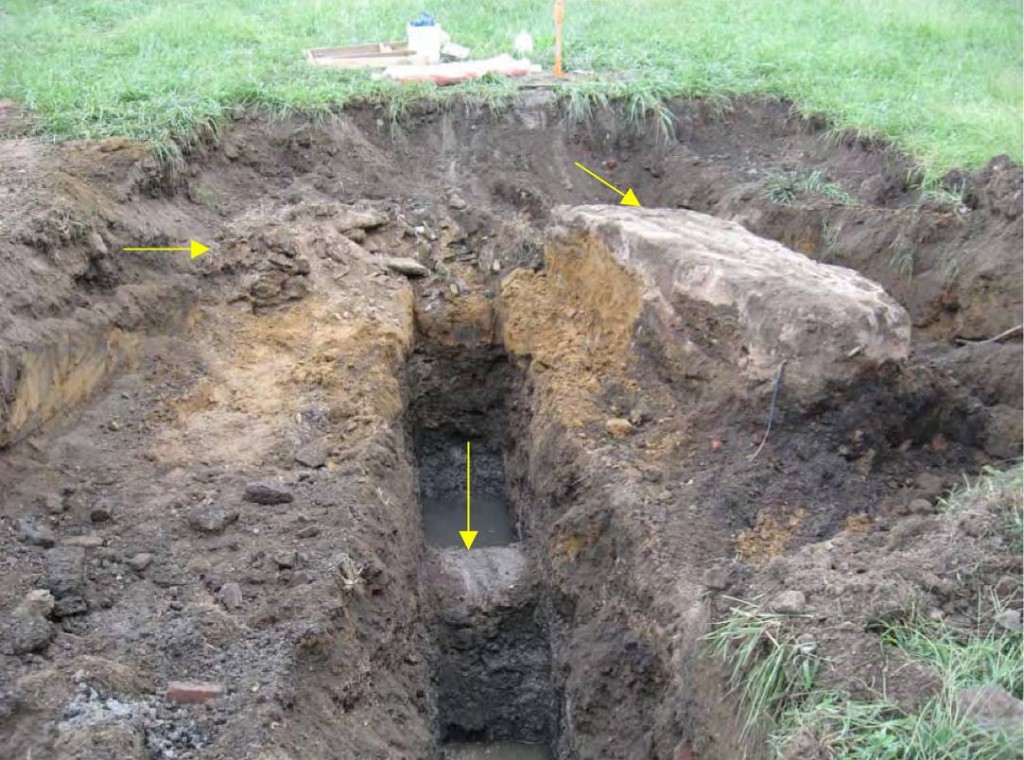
140,395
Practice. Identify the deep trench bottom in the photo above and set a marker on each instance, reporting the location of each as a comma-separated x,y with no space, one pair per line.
493,680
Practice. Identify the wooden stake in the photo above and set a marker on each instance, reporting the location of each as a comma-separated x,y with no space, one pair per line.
559,17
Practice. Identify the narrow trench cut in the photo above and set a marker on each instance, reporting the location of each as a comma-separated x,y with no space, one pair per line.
492,672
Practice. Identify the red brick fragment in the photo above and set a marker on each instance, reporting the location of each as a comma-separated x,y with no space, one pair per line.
187,692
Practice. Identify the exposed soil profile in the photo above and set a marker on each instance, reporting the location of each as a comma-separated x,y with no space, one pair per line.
248,470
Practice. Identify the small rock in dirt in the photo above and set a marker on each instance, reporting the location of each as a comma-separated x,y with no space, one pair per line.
930,485
21,634
1003,432
65,571
212,519
806,645
102,511
617,427
791,602
1010,620
639,414
284,559
88,541
376,576
353,218
310,531
69,606
994,709
35,533
920,507
717,578
140,561
96,244
299,579
408,267
231,596
185,692
265,492
54,504
456,202
1006,586
38,602
313,454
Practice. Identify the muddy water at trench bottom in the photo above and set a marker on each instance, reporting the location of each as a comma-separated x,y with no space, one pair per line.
503,751
444,516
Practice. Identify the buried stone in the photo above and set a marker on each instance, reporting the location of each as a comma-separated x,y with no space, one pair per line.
35,533
265,492
212,520
758,301
21,634
312,455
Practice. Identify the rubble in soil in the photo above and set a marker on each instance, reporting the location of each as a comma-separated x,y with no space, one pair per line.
211,466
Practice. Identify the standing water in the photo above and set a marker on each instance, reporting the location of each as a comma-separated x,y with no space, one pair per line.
503,751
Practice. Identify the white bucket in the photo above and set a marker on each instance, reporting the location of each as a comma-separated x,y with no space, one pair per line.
425,41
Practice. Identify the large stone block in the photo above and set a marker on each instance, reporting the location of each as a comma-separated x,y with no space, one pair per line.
736,297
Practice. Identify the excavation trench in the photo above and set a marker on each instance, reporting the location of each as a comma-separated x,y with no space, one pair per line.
492,668
614,491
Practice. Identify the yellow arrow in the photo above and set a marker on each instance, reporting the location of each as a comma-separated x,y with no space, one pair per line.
468,536
628,197
194,247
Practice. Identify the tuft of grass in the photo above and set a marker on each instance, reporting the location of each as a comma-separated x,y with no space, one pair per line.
964,660
785,187
828,250
768,665
998,491
881,730
951,264
943,79
855,730
902,260
781,189
947,196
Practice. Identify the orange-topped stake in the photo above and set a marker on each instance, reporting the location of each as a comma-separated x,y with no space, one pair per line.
559,17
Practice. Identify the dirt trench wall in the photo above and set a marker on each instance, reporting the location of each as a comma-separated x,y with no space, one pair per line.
55,365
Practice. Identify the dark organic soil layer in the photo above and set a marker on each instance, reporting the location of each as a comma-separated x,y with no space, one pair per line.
142,396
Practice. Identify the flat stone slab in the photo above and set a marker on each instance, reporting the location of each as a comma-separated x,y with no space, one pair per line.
748,301
481,577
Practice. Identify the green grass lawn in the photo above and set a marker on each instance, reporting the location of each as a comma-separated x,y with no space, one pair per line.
942,78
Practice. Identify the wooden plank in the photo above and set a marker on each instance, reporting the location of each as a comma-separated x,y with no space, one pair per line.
373,55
